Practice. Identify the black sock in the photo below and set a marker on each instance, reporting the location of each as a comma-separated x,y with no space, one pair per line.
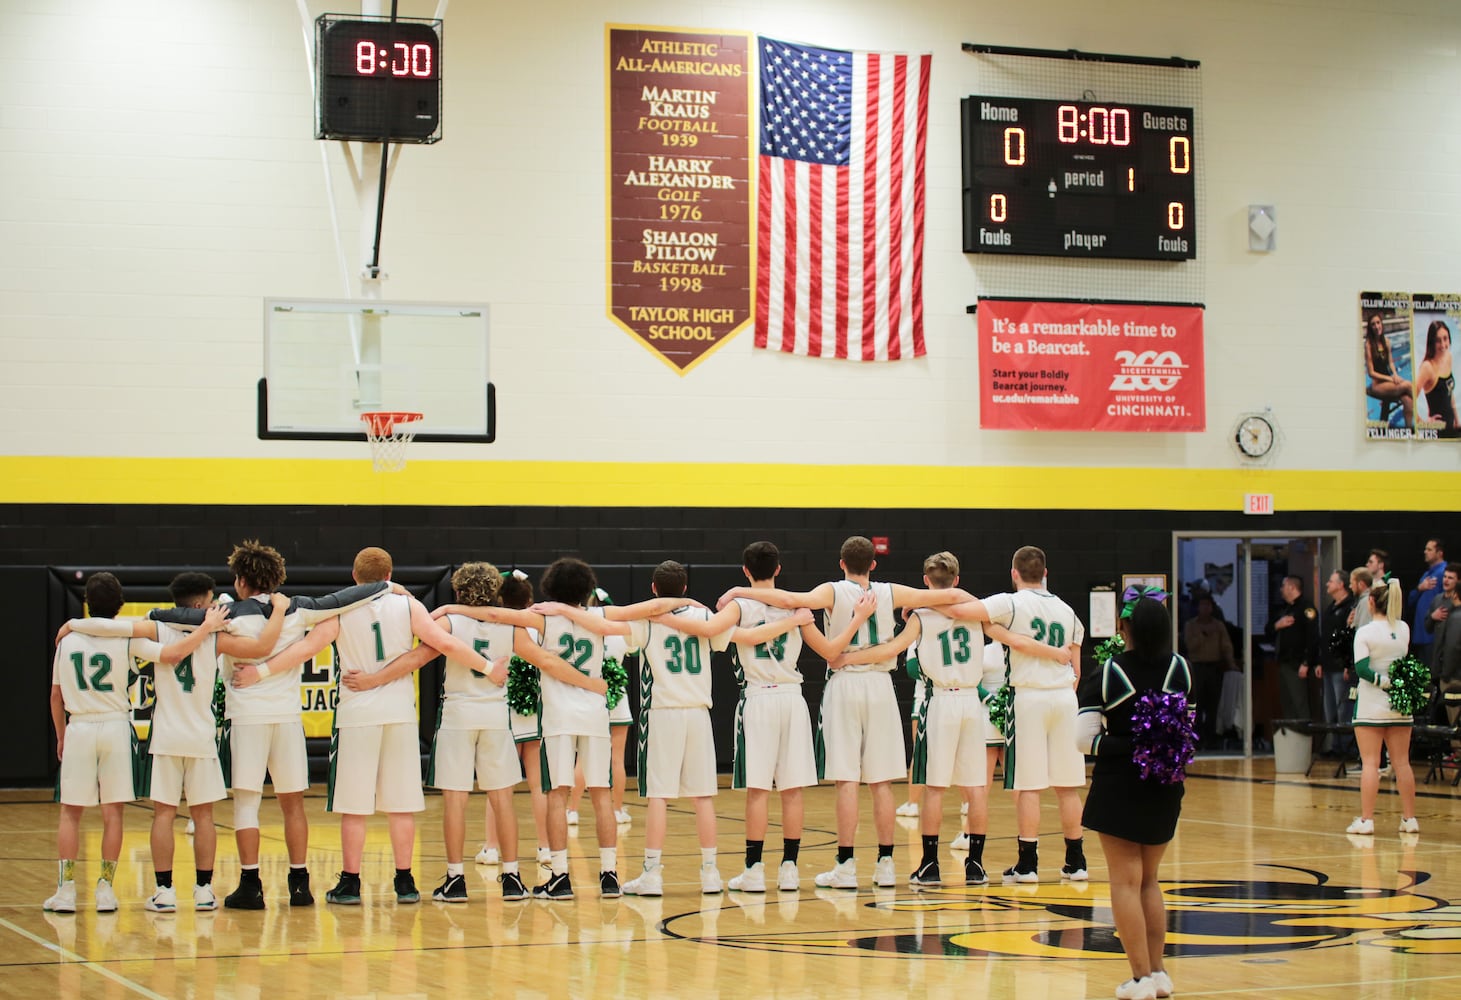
1029,855
205,876
791,848
843,854
1075,852
753,852
930,849
297,870
403,873
885,851
249,875
354,876
164,879
976,847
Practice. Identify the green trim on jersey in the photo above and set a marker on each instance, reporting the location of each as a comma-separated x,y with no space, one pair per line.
738,757
819,744
436,735
334,732
141,766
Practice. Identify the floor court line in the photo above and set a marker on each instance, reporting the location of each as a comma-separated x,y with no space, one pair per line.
71,956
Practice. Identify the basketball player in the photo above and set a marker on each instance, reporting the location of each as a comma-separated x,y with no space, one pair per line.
949,654
265,732
620,722
472,732
861,736
1044,753
575,721
975,824
183,739
95,741
773,747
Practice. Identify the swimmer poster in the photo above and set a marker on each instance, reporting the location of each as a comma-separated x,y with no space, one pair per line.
679,199
1081,366
1405,357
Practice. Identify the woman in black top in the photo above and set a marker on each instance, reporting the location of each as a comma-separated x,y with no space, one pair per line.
1436,379
1135,817
1383,383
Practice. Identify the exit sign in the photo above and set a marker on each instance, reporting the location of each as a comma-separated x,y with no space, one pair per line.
1258,503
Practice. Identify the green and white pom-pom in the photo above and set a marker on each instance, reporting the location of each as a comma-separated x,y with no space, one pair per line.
1108,648
1000,705
1410,684
617,678
523,686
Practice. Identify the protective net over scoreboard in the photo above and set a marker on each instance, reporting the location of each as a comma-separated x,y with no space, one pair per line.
1083,176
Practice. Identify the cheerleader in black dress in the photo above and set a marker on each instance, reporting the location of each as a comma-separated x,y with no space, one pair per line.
1134,817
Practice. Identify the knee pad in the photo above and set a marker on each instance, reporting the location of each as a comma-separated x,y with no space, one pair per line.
246,809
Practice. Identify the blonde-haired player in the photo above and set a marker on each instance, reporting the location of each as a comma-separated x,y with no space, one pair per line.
94,738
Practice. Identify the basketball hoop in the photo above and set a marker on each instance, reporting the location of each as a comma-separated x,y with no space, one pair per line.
389,432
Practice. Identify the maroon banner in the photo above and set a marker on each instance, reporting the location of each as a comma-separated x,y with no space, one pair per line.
679,188
1065,366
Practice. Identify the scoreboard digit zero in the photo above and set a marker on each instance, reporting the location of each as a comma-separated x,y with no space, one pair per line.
1079,179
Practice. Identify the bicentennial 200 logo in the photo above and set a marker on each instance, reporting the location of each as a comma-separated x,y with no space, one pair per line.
1148,371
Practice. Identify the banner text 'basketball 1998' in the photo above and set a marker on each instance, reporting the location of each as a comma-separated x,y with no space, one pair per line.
1062,366
679,188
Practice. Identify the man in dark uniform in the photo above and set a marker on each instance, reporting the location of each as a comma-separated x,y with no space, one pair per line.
1294,630
1336,656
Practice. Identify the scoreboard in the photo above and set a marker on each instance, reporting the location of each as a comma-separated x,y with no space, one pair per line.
1079,179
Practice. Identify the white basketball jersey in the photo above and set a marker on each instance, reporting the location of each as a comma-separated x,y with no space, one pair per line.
182,721
878,628
950,653
1042,616
469,699
569,710
371,636
772,662
93,672
675,666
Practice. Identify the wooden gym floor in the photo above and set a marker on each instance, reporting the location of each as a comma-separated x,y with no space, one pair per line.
1267,897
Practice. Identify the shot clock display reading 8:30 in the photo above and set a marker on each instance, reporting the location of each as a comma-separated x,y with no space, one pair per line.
1078,179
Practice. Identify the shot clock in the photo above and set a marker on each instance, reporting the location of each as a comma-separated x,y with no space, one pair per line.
1079,179
378,79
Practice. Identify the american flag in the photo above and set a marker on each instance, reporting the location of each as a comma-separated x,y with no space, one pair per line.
841,194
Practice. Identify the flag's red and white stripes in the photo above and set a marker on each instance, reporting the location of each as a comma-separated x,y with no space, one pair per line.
841,247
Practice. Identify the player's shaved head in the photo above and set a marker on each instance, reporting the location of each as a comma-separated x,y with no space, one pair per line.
372,565
477,583
857,555
258,565
103,595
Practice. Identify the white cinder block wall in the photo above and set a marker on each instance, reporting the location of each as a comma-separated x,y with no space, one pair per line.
158,178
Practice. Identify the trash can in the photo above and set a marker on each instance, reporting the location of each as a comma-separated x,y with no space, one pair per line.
1293,747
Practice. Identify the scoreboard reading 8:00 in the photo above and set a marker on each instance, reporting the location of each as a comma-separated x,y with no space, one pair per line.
1079,179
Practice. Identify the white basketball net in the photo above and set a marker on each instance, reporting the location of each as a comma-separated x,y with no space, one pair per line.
389,434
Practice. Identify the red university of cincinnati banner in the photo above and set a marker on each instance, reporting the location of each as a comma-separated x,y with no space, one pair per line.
1072,366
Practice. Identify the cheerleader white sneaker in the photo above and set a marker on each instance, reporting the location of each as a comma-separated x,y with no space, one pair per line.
959,843
1137,989
572,818
1361,826
909,809
621,817
1411,825
1163,983
489,856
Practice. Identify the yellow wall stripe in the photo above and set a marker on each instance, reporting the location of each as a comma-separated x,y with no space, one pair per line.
58,479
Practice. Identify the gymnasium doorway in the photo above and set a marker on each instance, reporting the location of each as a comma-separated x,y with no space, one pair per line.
1241,572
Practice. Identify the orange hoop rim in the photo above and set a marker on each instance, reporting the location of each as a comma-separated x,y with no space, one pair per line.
382,423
